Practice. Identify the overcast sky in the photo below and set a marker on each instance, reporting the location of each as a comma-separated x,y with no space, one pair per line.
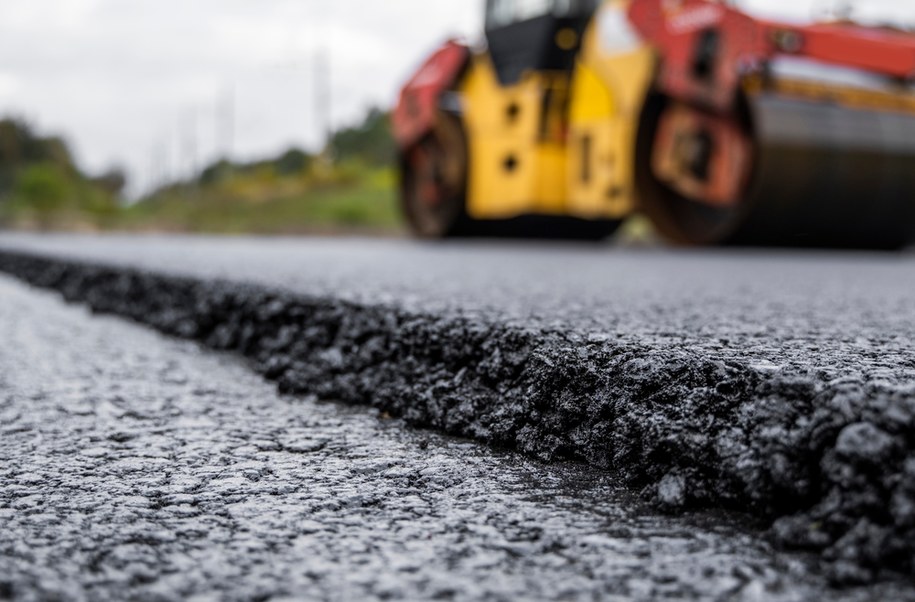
127,81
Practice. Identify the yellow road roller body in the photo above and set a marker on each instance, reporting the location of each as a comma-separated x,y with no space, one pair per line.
720,127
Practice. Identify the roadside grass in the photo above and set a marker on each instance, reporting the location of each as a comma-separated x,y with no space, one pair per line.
344,198
348,198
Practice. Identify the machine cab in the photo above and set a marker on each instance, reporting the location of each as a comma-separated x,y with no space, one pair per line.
535,35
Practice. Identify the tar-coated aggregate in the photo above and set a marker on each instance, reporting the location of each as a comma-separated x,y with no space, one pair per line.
778,384
140,468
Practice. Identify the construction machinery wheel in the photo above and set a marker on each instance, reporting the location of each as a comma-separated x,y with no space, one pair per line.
434,186
674,165
434,196
815,175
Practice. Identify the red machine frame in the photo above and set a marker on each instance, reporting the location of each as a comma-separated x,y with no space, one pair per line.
744,44
416,112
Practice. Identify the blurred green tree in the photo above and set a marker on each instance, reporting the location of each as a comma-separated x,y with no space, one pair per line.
370,142
43,189
41,184
292,162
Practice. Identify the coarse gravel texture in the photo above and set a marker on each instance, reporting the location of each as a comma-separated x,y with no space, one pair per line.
775,384
141,468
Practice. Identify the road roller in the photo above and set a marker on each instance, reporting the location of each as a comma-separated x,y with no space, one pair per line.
721,127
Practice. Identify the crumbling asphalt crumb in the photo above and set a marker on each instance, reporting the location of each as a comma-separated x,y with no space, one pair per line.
829,464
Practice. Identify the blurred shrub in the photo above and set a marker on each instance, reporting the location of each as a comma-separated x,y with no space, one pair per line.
43,190
292,162
40,185
370,141
113,182
20,147
217,173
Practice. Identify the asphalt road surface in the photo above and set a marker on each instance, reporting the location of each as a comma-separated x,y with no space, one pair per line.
137,467
839,312
775,385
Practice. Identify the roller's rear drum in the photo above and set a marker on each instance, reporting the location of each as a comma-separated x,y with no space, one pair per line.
824,176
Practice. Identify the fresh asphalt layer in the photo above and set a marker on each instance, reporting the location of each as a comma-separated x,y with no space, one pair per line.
836,312
779,385
139,467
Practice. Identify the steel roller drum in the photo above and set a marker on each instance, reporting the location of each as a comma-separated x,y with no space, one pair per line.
824,175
